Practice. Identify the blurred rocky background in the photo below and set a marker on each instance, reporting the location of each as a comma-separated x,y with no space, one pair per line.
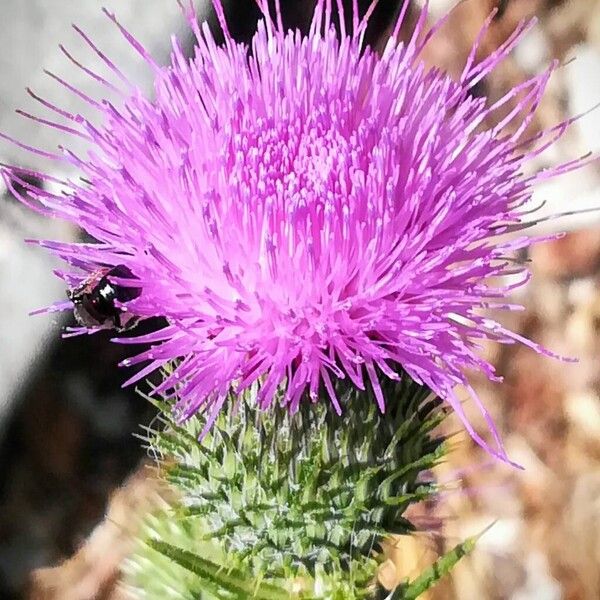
66,443
65,424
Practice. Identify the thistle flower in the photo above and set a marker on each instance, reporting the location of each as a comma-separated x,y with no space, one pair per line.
305,210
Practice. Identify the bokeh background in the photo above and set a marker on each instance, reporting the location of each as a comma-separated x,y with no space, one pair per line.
72,476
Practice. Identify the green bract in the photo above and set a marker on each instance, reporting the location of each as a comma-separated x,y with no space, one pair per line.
274,505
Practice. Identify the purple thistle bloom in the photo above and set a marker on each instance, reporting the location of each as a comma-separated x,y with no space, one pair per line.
306,210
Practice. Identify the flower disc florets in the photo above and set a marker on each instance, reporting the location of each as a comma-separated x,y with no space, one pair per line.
305,209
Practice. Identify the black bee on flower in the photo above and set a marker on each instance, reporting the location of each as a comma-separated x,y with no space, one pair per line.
97,300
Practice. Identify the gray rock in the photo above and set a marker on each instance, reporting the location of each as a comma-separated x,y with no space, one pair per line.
31,33
582,78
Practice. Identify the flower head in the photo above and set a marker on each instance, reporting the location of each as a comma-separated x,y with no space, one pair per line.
305,209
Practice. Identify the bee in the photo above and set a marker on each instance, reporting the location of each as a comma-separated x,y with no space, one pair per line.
95,300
